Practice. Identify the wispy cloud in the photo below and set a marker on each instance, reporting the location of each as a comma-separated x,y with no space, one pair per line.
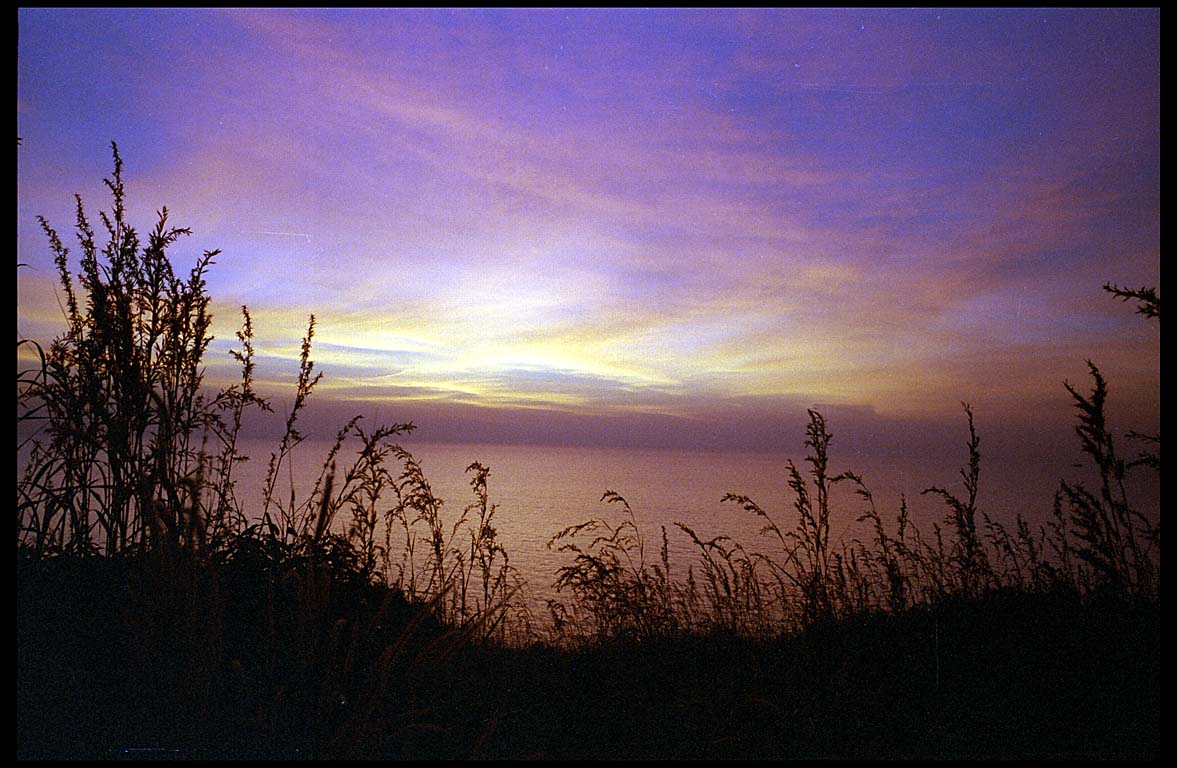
632,208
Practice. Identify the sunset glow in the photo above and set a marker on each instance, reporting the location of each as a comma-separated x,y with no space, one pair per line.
628,212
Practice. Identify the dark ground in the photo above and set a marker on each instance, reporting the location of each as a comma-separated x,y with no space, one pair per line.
133,659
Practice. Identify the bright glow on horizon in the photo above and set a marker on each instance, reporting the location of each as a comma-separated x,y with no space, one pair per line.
627,211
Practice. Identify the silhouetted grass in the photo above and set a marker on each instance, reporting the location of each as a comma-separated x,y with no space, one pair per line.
1100,542
157,617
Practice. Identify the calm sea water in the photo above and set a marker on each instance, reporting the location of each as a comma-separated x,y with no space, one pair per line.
540,490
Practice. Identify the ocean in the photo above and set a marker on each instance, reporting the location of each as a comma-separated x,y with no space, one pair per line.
540,490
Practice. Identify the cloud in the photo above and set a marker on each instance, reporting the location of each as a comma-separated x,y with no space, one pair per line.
623,211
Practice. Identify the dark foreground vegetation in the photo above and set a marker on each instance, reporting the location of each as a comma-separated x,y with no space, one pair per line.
112,665
157,618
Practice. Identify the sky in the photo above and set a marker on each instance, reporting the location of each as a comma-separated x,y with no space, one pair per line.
630,226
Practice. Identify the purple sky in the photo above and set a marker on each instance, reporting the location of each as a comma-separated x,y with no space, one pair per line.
640,226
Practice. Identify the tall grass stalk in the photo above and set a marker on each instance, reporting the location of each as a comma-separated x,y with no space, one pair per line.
1118,544
118,395
972,571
